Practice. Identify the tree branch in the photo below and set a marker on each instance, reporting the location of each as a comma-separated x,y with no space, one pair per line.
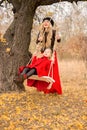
16,5
1,2
48,2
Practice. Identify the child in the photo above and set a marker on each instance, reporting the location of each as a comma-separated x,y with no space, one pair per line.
39,66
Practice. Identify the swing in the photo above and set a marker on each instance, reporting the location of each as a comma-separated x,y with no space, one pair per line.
42,78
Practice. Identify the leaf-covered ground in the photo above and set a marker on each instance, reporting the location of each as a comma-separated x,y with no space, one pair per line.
32,110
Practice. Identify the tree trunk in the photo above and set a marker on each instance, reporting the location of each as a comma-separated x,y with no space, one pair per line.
18,40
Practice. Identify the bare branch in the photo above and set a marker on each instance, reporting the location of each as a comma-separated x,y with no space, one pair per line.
1,2
48,2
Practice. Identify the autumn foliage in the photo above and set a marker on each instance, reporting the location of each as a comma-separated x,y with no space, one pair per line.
33,110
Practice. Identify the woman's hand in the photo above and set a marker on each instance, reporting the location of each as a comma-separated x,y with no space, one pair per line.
40,38
58,38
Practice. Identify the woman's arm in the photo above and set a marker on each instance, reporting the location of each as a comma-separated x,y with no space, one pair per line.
58,38
39,38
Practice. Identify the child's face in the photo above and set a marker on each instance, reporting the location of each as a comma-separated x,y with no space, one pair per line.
47,53
46,24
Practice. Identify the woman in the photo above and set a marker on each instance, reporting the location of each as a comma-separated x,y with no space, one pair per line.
47,35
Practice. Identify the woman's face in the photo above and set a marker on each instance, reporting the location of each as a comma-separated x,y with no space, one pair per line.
46,23
47,53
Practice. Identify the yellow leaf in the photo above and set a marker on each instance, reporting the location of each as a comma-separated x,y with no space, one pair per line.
5,117
1,103
18,110
11,126
19,128
8,49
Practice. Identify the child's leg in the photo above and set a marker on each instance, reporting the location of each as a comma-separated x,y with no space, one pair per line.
25,74
31,72
26,70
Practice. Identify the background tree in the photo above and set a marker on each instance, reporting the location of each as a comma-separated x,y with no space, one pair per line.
15,52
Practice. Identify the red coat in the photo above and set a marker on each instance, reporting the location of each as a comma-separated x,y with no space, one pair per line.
42,67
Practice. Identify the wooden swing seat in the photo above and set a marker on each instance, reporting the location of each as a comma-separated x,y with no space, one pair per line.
42,78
